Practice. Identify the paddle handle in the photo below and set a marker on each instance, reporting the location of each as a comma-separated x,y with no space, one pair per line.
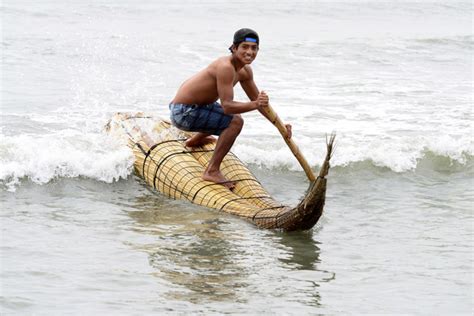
273,117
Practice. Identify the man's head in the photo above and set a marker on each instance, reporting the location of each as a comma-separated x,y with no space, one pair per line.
244,35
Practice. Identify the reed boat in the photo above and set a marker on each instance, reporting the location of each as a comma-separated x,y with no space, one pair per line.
167,165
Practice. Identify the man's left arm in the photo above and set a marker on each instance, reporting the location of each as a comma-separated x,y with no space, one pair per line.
250,88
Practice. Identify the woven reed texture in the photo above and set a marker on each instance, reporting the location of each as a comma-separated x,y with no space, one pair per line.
175,171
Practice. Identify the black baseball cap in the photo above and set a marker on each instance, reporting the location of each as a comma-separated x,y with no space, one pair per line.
245,35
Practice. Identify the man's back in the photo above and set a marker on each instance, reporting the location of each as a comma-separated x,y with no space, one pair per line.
201,88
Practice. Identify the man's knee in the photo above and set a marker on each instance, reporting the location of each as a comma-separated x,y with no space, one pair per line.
237,121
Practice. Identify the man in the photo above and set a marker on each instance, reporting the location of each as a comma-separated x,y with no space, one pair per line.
195,107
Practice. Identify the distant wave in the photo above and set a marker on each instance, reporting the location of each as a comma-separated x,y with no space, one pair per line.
429,160
461,41
425,160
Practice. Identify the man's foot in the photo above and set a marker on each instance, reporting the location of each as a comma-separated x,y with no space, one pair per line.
198,140
217,177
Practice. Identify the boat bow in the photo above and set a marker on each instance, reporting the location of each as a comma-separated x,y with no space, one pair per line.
307,213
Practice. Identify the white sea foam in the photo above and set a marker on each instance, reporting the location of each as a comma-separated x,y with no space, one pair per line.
399,155
42,158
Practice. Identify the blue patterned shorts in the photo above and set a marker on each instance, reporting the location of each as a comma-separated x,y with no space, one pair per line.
209,119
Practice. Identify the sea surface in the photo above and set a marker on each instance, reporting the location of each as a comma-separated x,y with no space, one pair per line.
81,234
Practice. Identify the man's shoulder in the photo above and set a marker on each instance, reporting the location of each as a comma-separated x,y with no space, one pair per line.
246,73
223,62
221,65
247,69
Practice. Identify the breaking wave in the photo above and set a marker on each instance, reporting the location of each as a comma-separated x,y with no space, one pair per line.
70,154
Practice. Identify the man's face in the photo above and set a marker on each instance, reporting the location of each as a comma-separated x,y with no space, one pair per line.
246,52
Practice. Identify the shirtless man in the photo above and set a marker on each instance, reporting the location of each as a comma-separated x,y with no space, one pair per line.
195,107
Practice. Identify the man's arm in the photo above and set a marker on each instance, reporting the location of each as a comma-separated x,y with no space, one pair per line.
250,88
225,89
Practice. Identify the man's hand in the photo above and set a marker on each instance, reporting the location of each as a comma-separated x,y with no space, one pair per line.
288,131
262,99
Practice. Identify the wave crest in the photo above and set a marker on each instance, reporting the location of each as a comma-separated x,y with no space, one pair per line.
70,154
41,159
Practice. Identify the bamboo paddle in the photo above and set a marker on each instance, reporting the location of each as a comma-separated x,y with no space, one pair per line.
273,117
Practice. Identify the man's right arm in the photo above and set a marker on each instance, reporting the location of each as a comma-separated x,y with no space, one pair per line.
225,89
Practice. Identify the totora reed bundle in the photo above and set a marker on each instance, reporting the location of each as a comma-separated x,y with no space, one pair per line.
175,171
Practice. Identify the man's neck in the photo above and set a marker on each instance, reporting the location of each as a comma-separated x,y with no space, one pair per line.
235,62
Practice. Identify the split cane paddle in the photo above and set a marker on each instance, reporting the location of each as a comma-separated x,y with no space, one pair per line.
273,117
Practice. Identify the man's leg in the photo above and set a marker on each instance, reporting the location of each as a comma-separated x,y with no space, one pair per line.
199,139
224,143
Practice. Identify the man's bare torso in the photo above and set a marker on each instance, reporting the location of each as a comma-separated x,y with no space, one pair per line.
201,88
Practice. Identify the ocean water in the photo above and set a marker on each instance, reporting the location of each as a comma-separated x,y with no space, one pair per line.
81,234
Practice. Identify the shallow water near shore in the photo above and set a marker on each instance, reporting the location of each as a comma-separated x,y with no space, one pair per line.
81,234
384,239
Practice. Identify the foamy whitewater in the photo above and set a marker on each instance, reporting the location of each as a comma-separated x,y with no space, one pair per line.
392,79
